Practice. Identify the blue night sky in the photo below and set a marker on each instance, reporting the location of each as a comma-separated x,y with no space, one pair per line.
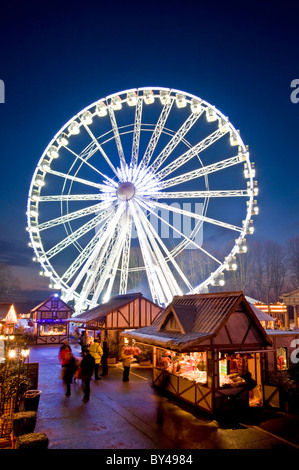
58,57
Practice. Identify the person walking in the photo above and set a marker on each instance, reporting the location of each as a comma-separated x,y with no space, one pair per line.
104,362
83,341
96,351
67,361
127,357
87,367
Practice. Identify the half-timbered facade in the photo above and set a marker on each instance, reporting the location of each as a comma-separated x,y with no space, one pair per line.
120,313
203,346
50,320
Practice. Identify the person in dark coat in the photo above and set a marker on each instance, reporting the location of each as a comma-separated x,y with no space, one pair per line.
87,366
83,341
104,362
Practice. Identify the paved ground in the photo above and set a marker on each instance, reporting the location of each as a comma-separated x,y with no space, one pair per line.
134,415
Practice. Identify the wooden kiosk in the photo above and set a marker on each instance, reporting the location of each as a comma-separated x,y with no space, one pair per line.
203,345
50,320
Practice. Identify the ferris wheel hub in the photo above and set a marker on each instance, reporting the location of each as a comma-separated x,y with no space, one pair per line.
125,191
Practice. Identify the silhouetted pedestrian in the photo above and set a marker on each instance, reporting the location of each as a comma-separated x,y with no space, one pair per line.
83,341
105,356
87,367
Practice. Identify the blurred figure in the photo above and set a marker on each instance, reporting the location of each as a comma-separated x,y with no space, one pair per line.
104,362
87,367
96,351
127,358
67,361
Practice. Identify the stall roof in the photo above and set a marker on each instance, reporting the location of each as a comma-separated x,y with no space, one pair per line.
262,316
101,311
195,318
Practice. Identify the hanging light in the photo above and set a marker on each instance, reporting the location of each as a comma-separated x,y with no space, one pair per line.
116,103
86,118
180,100
101,109
218,280
233,138
196,106
62,139
241,246
12,353
211,114
131,98
74,128
231,264
165,97
223,126
53,152
148,96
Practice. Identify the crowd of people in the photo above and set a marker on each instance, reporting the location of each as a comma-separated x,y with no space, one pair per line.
93,361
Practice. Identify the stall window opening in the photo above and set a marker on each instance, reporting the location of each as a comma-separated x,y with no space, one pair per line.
282,358
191,365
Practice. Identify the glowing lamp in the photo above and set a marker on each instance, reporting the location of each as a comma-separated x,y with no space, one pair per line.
223,126
62,139
74,128
234,140
218,280
86,118
116,103
12,353
165,97
39,182
53,152
101,109
231,264
25,352
195,106
148,96
211,114
131,98
241,246
180,100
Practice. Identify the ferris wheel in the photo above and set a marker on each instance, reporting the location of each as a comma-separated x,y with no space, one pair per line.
141,191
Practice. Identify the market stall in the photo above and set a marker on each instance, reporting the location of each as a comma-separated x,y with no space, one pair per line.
204,347
50,320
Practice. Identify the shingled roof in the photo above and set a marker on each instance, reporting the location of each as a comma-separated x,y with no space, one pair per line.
192,319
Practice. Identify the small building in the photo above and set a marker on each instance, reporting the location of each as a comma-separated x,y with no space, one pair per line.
291,299
277,311
203,345
8,318
50,320
120,313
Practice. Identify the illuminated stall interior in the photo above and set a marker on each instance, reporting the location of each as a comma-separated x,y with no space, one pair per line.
50,320
204,345
8,318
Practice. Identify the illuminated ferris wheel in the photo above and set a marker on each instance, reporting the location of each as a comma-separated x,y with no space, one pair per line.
140,191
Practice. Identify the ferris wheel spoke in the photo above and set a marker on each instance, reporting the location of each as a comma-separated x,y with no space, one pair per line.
75,215
156,134
73,197
77,234
117,137
198,217
91,267
176,139
198,194
124,273
100,148
187,156
85,160
136,134
109,264
80,180
153,236
189,240
154,283
221,165
80,260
